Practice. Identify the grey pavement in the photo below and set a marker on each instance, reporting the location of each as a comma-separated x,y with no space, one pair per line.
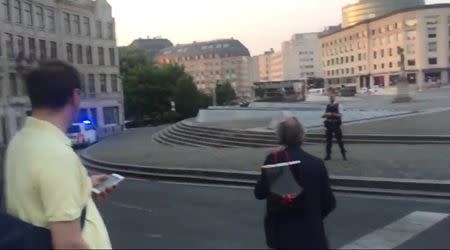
145,214
436,123
378,160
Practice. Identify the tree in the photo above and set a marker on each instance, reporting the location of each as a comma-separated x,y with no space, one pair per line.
187,97
131,58
225,94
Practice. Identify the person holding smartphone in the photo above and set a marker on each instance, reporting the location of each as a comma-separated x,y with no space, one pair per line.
46,184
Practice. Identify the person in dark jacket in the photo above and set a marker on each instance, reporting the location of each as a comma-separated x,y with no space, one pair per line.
333,123
303,227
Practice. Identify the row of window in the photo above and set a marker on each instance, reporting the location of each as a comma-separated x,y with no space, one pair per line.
29,14
30,43
43,48
35,15
88,87
72,25
80,59
343,60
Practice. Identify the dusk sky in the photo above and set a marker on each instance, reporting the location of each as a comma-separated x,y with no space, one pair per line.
259,24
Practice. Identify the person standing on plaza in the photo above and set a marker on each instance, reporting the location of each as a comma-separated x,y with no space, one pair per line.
333,122
46,184
296,222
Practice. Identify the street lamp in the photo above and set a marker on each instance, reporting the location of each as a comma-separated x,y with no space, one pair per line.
402,87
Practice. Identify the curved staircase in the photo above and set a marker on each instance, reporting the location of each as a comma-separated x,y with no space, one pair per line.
194,135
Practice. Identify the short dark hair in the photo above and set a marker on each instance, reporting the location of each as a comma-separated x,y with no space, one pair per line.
291,132
51,84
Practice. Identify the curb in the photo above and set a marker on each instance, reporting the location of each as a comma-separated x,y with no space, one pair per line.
347,184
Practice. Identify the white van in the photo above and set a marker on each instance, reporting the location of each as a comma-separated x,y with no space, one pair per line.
82,134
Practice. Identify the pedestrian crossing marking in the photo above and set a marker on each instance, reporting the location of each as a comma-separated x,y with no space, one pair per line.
398,232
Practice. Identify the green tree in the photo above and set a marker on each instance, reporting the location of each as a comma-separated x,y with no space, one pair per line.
131,58
225,93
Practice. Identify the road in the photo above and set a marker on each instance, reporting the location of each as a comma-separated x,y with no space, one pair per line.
149,214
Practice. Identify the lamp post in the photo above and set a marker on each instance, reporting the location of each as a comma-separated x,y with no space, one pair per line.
402,87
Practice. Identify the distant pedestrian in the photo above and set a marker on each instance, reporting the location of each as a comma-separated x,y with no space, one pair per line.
296,222
333,122
46,184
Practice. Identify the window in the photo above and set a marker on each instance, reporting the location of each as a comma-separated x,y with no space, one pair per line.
431,32
411,35
51,20
69,51
391,65
432,47
382,53
346,59
111,115
411,62
32,47
103,88
77,24
382,65
374,55
432,20
390,52
79,54
17,11
101,56
7,10
112,56
375,67
360,68
67,25
13,88
99,29
87,26
43,49
28,14
21,45
91,83
432,61
53,50
359,57
110,31
89,55
40,17
9,45
114,83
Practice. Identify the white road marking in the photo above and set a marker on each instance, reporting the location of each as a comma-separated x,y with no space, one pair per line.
397,233
123,205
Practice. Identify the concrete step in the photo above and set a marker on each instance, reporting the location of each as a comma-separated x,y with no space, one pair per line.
222,140
191,141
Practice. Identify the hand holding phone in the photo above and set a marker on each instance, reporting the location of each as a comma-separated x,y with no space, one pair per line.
109,182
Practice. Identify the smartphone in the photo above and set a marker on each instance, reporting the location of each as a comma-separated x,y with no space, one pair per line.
113,180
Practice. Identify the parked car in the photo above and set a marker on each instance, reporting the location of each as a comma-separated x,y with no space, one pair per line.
82,134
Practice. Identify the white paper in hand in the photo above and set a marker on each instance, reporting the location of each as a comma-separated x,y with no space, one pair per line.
281,178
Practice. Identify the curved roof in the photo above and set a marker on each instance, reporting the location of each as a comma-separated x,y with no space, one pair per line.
225,47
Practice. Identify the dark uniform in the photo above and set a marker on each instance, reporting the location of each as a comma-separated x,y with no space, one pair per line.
333,126
302,227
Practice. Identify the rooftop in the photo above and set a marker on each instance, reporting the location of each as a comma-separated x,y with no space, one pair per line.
231,47
422,7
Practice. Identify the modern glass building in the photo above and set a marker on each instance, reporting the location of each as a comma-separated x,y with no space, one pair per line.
368,9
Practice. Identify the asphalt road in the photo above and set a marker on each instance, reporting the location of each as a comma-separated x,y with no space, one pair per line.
147,214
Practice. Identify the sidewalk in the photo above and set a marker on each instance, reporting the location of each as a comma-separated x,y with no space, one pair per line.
427,162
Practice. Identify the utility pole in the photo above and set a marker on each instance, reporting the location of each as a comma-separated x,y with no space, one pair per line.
214,96
402,87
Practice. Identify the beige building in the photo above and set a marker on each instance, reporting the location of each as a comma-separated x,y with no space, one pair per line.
366,54
301,57
79,32
368,9
213,62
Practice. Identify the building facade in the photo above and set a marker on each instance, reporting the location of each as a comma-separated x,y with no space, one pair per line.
302,57
368,9
366,55
213,62
81,33
152,46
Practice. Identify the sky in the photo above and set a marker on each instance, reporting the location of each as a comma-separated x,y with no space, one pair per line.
258,24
